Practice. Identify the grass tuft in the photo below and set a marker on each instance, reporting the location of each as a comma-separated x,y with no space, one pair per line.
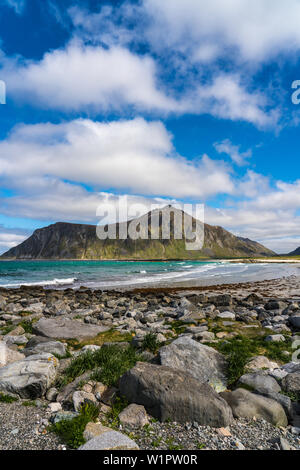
150,343
112,417
29,403
108,364
71,431
240,349
27,326
7,398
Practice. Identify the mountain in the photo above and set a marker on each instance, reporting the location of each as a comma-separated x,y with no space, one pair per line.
295,253
78,241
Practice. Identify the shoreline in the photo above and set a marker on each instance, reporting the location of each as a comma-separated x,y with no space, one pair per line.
289,287
266,270
163,260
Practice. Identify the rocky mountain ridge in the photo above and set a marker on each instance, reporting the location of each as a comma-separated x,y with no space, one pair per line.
79,241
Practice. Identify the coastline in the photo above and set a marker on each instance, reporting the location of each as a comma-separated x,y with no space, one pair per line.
284,287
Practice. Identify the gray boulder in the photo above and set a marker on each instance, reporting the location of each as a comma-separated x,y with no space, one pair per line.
275,338
65,395
30,377
291,383
80,398
64,328
45,346
275,305
226,316
110,440
173,394
295,321
134,415
260,382
202,362
248,405
224,300
19,340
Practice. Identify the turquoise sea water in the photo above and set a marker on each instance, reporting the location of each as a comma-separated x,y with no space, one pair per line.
110,274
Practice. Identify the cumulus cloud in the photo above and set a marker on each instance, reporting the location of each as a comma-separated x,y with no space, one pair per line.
10,238
249,30
269,215
134,155
238,157
88,77
98,79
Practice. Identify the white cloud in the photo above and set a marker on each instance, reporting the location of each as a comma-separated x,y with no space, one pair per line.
87,77
98,79
136,156
247,29
10,238
238,157
270,215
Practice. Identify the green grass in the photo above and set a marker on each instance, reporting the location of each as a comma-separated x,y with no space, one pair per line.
156,442
27,326
200,445
294,396
112,417
7,328
7,398
107,364
179,326
240,349
150,343
71,431
172,446
111,336
29,403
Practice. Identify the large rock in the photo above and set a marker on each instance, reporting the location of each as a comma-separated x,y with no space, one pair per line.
173,394
45,346
8,356
19,340
80,398
134,415
295,321
221,300
275,305
202,362
111,440
261,362
260,382
64,328
93,430
65,395
30,377
248,405
291,383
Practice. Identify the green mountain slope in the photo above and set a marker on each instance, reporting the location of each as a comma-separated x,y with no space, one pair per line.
79,241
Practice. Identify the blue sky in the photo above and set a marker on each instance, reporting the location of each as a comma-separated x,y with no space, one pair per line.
161,101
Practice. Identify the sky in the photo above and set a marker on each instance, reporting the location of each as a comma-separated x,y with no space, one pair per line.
157,101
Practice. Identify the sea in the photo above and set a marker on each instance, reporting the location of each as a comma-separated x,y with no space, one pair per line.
130,274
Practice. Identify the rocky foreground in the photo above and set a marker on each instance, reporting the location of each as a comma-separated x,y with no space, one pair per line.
209,368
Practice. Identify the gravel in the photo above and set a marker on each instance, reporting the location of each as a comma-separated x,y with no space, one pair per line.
244,435
24,428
